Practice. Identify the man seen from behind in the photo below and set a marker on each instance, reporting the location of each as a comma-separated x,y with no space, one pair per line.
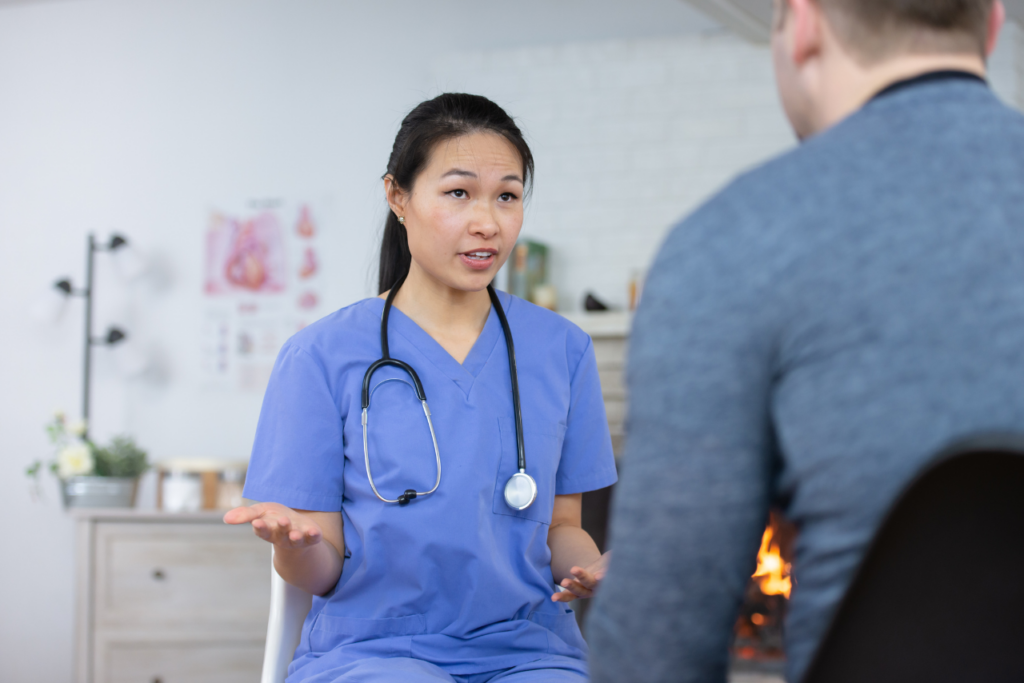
812,336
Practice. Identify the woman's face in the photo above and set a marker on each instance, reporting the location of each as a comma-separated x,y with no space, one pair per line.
465,210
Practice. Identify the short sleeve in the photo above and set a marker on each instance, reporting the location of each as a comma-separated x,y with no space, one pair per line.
588,462
298,455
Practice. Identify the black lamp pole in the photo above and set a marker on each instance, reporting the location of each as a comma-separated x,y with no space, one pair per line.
114,334
87,355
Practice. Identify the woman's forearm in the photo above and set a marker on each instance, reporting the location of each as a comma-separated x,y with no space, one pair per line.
315,569
570,547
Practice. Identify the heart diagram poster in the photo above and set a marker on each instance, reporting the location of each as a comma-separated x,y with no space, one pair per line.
262,283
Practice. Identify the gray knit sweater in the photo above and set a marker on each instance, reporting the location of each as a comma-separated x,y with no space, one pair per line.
809,339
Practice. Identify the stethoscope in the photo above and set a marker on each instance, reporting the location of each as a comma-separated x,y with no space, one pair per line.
521,489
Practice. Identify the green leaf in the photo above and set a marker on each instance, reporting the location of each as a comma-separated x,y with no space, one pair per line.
121,458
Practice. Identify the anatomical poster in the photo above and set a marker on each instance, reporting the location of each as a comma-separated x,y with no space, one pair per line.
261,284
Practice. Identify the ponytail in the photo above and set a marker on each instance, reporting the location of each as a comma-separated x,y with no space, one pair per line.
394,254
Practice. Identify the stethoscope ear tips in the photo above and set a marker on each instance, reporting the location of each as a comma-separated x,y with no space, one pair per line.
406,497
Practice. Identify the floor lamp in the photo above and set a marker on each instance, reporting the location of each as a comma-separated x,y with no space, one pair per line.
113,335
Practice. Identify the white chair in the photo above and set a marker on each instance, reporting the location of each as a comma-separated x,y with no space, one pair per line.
288,609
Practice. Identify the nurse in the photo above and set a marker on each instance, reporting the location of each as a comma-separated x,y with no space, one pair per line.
456,582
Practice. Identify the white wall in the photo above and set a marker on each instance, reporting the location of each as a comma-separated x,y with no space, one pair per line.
1006,66
140,116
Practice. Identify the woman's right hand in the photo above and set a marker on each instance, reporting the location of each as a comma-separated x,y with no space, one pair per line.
278,524
309,546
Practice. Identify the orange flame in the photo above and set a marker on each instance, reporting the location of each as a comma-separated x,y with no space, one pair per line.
772,573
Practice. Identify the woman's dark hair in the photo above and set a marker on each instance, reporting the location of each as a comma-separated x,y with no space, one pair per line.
445,117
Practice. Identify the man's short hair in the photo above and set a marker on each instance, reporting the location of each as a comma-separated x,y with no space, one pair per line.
876,29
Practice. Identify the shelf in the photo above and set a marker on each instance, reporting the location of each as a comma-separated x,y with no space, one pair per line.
602,323
144,515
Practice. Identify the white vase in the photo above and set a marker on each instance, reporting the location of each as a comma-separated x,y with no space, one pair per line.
182,492
99,492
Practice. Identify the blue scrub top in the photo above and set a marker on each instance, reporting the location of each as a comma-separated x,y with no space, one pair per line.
456,578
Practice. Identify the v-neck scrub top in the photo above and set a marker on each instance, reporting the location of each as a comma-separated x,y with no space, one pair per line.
456,578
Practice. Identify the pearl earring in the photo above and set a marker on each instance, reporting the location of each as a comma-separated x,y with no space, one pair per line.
401,219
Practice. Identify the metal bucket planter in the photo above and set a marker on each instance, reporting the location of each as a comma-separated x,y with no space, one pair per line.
99,492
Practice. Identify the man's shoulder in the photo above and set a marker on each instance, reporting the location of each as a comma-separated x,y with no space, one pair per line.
754,206
794,181
779,188
830,179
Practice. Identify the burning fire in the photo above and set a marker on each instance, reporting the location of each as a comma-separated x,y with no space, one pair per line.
772,573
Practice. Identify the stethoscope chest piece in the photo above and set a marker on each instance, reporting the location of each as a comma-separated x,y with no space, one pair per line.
520,491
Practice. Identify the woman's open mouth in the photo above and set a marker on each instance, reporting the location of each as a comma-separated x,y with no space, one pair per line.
480,259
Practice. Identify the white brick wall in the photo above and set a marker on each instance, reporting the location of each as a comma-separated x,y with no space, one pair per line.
631,136
1006,66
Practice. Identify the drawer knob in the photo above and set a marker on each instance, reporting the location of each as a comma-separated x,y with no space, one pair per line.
158,575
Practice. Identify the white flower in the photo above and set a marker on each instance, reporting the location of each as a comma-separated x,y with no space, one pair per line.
78,427
74,460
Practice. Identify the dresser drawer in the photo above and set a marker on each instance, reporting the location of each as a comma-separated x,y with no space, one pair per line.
196,661
181,575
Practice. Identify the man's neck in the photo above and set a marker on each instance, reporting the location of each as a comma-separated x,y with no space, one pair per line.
852,85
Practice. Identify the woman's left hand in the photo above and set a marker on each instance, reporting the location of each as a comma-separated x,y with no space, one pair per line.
584,581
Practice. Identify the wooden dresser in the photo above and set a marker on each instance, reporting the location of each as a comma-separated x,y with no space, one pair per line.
610,333
169,598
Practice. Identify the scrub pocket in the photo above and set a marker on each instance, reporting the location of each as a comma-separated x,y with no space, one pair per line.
329,632
563,625
543,453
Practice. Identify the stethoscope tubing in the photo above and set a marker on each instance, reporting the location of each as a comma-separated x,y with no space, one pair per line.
386,359
510,347
437,455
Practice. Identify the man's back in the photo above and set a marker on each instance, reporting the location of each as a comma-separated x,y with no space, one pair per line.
825,326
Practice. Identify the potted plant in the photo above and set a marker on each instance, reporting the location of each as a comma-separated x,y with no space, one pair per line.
90,475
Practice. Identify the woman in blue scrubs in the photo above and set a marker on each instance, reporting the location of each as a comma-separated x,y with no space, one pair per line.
455,584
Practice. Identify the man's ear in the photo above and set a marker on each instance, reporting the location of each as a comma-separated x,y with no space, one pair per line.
804,19
395,196
996,19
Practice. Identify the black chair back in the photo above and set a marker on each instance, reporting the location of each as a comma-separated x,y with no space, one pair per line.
939,596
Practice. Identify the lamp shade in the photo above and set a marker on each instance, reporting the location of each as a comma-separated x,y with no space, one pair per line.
114,335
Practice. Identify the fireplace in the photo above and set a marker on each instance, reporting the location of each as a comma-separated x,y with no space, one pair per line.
758,641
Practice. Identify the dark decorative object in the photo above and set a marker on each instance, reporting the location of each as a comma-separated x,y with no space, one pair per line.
592,303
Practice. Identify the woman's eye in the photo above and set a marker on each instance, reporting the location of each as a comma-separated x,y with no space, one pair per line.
507,197
458,194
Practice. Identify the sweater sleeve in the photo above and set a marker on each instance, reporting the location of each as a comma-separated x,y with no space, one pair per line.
696,477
